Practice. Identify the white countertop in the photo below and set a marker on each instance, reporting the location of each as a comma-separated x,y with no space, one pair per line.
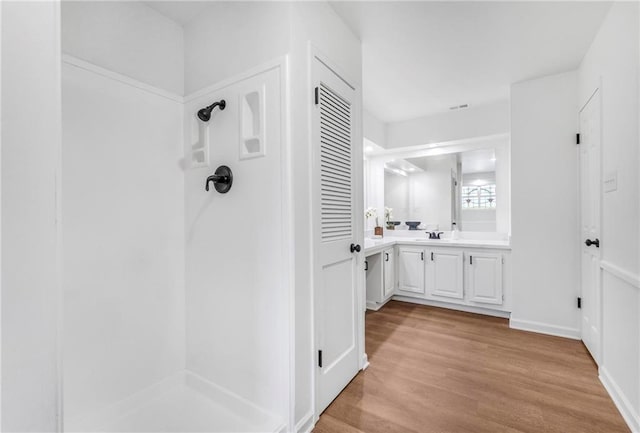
372,246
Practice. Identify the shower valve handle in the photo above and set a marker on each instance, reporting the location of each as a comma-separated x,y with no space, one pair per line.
222,179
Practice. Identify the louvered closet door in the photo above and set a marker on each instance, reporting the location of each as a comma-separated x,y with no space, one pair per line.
335,231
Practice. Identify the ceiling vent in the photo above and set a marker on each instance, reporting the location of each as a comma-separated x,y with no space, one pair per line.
459,107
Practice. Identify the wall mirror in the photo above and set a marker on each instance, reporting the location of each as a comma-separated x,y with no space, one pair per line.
462,184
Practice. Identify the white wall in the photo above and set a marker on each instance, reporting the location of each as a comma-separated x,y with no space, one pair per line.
127,37
612,64
544,205
30,154
238,289
472,122
237,255
374,129
123,251
310,21
230,38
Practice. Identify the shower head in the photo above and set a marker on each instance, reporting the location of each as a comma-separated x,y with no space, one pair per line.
205,113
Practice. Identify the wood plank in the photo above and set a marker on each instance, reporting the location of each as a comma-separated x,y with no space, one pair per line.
439,370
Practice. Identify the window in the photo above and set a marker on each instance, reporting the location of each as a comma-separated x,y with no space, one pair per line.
479,197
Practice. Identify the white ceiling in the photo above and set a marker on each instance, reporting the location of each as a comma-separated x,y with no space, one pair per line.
179,11
420,58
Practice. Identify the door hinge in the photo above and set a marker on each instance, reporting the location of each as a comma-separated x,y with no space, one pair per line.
471,260
320,358
366,265
579,302
577,138
317,95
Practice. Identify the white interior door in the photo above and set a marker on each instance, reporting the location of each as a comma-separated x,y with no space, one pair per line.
590,181
336,234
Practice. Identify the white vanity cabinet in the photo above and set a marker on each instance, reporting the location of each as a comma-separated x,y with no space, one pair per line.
411,270
444,274
471,278
484,277
460,277
389,272
380,273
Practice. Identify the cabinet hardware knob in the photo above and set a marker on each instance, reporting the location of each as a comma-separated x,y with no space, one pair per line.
355,248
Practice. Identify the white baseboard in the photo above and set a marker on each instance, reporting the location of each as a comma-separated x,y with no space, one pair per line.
626,409
457,307
544,328
306,424
375,306
365,362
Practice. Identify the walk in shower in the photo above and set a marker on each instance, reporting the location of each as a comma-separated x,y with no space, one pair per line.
176,297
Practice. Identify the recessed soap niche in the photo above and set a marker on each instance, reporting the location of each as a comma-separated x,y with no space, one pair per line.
252,124
199,143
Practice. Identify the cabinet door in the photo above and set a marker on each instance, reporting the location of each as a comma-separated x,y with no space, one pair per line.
389,272
445,274
411,270
374,280
484,276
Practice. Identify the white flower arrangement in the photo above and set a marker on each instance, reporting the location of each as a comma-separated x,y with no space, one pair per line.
371,212
388,213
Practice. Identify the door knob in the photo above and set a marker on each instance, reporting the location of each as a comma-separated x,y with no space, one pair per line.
355,248
589,242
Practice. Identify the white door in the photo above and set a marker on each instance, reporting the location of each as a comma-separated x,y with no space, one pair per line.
411,270
590,180
444,274
337,234
484,277
389,273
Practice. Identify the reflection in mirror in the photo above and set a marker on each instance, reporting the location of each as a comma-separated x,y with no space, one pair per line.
478,191
441,187
419,189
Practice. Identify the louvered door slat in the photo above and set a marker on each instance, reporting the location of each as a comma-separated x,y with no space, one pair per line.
336,199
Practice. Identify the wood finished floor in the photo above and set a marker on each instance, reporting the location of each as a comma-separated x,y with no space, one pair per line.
437,370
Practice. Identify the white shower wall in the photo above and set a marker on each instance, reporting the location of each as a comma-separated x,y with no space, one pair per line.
236,255
123,240
143,348
122,207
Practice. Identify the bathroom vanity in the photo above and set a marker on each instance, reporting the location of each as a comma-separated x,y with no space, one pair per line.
465,274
